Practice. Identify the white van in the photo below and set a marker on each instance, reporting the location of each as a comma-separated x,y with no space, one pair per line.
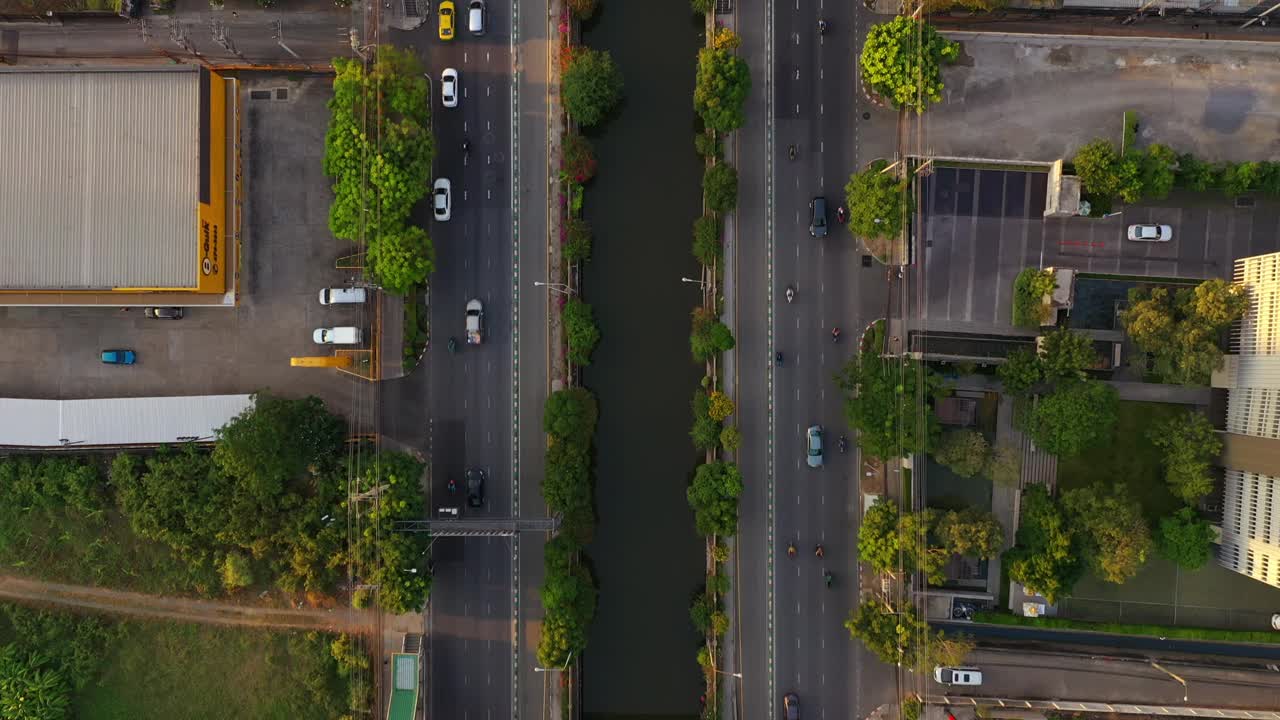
341,296
337,336
475,17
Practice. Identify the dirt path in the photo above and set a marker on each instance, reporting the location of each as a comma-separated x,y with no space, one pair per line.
119,602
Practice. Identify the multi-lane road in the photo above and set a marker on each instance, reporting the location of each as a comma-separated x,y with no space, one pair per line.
804,95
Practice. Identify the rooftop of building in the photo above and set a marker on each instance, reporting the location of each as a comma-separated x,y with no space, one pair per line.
100,187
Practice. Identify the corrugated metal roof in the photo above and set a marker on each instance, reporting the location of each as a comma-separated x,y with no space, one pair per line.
99,179
116,421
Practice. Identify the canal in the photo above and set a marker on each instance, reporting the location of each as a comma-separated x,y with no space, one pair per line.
648,559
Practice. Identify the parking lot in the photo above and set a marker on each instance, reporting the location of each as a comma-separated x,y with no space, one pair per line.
287,256
981,227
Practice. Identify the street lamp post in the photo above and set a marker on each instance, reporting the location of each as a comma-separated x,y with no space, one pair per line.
554,287
735,675
1157,666
699,283
559,669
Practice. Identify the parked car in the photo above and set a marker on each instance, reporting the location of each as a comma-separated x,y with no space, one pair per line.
449,87
163,313
447,19
342,296
119,357
1151,233
791,706
475,322
818,217
337,336
814,437
442,199
475,17
475,487
957,675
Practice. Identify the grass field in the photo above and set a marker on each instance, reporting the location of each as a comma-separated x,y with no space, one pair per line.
1130,459
170,670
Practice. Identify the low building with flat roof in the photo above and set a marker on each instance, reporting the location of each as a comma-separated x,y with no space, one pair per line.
116,422
120,186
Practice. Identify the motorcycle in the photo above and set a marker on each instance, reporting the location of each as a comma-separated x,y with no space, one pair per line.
791,151
828,577
844,444
818,551
840,214
777,358
822,27
453,345
791,293
835,334
453,486
791,551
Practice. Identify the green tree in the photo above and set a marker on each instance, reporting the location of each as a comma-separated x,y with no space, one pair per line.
570,415
971,532
707,247
566,486
878,544
1097,165
31,688
965,452
237,573
1195,174
902,637
1029,290
1159,166
274,442
1067,354
709,335
713,495
1021,371
577,243
1238,179
1004,466
1218,303
1189,444
721,86
882,399
730,438
581,9
1181,330
720,187
591,85
402,258
721,406
1112,530
1077,415
1046,557
580,330
577,158
702,7
877,202
569,603
902,61
1186,539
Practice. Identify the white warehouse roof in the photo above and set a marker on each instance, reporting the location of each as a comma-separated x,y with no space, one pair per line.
116,421
100,184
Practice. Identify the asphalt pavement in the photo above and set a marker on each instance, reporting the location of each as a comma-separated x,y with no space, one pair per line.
1019,674
804,94
469,395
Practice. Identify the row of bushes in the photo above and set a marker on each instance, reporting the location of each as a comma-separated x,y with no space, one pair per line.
267,507
378,149
720,90
1151,173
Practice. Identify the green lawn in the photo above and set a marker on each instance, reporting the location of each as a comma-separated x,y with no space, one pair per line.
170,670
1130,459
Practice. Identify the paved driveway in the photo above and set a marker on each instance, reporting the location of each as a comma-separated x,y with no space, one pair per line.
981,227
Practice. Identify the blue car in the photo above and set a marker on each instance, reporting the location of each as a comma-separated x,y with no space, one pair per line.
119,357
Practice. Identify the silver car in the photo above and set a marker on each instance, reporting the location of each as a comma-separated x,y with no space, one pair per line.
814,437
442,199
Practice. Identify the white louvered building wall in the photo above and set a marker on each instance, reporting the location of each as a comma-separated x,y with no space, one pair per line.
1250,518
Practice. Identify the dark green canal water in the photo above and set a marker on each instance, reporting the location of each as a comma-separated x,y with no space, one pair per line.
648,559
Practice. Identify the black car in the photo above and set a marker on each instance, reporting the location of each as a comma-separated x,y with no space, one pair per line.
163,313
791,706
475,487
818,217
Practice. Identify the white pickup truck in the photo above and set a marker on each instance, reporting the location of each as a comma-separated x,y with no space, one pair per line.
337,336
475,322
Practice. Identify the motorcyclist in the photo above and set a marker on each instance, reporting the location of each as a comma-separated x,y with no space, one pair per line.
822,27
844,443
466,145
791,150
777,357
840,213
835,333
453,486
828,577
791,293
791,550
818,551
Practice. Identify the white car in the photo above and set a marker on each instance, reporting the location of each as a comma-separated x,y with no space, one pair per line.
449,87
957,675
1151,233
337,336
342,296
442,199
475,322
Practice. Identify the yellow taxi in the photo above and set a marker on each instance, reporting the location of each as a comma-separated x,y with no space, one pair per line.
447,19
